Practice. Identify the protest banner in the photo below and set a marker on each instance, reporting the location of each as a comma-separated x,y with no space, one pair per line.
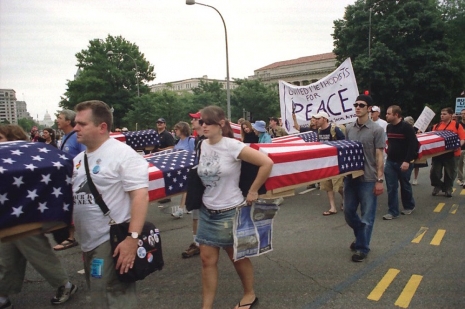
424,120
333,94
459,105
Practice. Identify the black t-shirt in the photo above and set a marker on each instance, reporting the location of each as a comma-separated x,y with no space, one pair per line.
166,139
250,137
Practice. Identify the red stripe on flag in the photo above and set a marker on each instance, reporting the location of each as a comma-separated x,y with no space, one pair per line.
302,177
118,136
430,143
237,130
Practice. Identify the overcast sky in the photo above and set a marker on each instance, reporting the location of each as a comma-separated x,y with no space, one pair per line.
39,38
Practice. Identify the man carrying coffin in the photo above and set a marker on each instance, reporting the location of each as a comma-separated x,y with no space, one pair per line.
121,177
364,190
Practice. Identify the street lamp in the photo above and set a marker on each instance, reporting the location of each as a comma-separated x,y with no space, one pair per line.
228,93
111,53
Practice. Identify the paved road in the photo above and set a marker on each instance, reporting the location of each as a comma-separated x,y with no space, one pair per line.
311,265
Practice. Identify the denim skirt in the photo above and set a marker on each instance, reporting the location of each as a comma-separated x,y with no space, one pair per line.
215,230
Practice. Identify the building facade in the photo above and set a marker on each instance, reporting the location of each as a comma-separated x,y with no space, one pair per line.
301,71
186,85
21,110
8,106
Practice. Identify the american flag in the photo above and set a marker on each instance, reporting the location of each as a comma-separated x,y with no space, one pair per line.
296,163
297,138
35,184
168,172
436,142
237,130
138,139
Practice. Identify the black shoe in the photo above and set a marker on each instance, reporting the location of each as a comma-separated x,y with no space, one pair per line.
435,191
448,193
352,246
166,200
359,256
6,305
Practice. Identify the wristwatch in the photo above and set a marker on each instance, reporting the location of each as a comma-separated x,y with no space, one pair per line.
134,235
380,180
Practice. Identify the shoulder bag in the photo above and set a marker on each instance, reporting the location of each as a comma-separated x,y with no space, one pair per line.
195,187
149,256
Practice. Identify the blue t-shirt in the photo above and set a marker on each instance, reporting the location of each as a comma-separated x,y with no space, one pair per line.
72,146
186,144
264,138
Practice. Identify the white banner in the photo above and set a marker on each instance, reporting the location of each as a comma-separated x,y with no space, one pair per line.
334,94
424,120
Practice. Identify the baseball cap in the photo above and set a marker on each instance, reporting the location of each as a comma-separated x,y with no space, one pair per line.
321,114
161,120
195,115
375,109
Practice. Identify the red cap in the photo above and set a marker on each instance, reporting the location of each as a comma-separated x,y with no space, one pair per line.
196,115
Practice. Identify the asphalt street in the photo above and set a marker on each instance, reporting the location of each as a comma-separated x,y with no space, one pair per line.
416,261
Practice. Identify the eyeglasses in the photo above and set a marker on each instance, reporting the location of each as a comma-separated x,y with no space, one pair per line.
201,122
361,105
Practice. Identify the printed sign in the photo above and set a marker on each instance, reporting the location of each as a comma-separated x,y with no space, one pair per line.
459,105
424,120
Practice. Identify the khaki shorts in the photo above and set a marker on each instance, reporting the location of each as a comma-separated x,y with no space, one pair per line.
335,184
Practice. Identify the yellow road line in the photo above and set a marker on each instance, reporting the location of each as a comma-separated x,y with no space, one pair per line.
383,284
462,192
419,235
439,207
438,237
409,290
453,209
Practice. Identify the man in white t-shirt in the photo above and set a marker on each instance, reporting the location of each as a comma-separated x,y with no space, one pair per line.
121,177
375,111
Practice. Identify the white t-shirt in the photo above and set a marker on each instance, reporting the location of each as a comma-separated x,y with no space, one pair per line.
115,169
382,123
220,169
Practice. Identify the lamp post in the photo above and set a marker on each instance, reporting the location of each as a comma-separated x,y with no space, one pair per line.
228,92
111,53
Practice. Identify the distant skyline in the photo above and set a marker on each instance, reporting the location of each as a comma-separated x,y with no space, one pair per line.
39,39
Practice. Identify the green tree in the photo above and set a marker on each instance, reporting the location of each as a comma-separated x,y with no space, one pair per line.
27,124
209,93
408,61
261,100
110,78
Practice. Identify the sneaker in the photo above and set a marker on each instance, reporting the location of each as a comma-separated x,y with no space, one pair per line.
359,256
407,211
164,201
177,212
448,193
435,191
6,304
415,182
352,246
191,251
389,217
279,201
63,294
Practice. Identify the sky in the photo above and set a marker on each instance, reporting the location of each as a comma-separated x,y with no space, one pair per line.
40,38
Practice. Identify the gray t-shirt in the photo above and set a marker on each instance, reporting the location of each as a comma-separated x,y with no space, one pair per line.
372,137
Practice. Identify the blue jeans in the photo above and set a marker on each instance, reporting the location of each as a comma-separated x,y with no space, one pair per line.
394,175
360,193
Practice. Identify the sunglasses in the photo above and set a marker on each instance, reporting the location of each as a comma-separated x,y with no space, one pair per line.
361,105
201,122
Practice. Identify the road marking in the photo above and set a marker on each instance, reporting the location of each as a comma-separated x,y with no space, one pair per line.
462,192
419,235
381,287
453,209
439,207
438,237
409,290
306,191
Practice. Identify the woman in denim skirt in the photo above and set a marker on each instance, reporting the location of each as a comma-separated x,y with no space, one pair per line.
219,169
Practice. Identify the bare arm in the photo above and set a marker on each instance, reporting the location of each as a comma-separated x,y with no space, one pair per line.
379,170
264,163
127,248
296,125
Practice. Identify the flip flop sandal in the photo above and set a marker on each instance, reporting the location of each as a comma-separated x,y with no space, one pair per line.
329,213
66,244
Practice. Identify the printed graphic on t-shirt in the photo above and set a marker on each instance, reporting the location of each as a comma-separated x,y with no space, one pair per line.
83,194
209,169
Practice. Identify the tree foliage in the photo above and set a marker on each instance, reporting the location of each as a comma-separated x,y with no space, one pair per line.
27,124
110,78
408,61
